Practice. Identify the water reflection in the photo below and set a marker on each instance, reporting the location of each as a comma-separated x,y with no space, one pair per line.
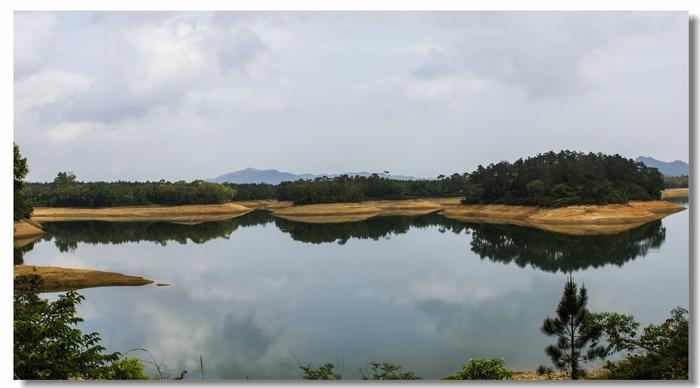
423,292
67,235
547,251
554,252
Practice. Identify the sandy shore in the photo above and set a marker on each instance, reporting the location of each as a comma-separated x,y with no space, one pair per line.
674,193
575,220
63,279
328,213
26,231
353,212
181,214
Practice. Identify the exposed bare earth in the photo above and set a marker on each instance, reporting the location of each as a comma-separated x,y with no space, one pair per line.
353,212
674,193
26,231
181,214
63,279
575,220
594,374
328,213
264,204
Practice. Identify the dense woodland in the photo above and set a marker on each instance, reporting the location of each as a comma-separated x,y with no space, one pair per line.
66,191
549,180
565,178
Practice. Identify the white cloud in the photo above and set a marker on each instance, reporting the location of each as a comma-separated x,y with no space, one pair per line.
48,87
33,34
66,132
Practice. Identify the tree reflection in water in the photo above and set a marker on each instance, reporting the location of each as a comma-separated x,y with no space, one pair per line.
543,250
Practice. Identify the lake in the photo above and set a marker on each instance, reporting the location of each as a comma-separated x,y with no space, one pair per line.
257,296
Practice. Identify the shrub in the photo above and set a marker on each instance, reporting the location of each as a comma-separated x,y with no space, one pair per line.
482,369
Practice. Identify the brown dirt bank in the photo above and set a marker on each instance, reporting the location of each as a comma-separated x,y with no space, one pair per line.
64,279
575,220
182,214
594,374
26,231
674,193
264,204
328,213
354,212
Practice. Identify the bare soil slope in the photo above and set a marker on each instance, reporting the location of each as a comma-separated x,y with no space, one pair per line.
182,214
64,279
575,220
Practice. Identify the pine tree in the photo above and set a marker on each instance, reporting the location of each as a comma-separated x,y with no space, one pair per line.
575,331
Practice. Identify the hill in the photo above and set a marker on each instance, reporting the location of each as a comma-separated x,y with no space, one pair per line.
675,168
252,175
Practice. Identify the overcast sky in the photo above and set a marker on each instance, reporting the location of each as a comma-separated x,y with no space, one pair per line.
136,95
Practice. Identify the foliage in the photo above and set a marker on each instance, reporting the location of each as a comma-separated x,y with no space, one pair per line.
482,369
46,343
388,371
659,352
346,188
66,191
575,332
564,178
676,182
127,368
252,191
323,372
22,206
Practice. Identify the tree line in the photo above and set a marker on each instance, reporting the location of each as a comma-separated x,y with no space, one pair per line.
548,180
66,191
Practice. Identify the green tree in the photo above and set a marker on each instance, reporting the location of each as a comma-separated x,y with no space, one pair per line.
658,352
127,368
388,371
47,345
64,178
22,207
482,369
575,331
323,372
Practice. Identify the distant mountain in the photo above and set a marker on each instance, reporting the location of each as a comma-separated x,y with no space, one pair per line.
675,168
252,175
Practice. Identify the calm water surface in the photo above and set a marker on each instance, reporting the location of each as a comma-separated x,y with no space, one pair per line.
257,295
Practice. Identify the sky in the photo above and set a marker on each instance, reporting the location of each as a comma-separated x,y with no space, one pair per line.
194,95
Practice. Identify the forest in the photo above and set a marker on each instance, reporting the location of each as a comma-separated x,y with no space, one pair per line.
66,191
547,180
564,178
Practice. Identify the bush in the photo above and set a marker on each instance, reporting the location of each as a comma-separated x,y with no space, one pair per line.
482,369
128,368
323,372
47,346
388,371
660,352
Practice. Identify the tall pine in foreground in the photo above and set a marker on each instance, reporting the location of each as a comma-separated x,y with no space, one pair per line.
576,334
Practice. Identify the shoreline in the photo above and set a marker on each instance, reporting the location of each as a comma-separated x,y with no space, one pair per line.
573,220
190,214
55,279
674,193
